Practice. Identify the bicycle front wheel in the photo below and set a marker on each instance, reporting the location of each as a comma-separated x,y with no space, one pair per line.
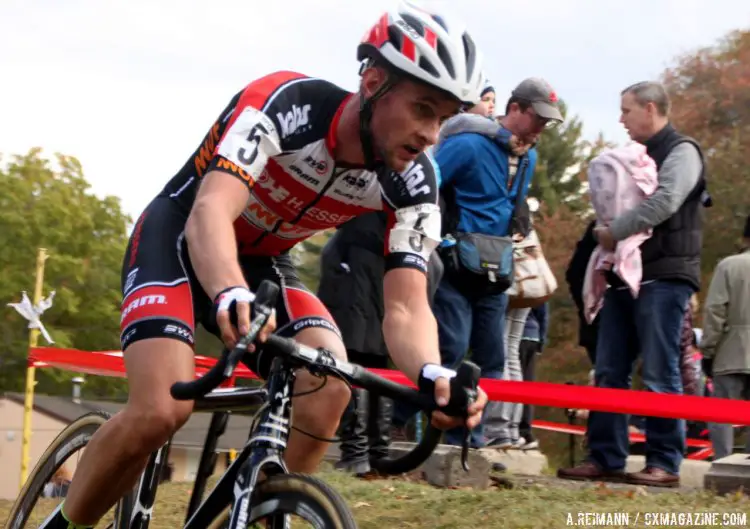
295,496
62,452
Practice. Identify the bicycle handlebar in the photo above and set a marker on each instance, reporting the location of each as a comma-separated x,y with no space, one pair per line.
321,362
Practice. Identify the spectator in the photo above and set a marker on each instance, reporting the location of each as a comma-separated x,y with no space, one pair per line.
650,324
504,421
59,483
532,344
688,351
574,275
726,338
351,287
486,168
486,106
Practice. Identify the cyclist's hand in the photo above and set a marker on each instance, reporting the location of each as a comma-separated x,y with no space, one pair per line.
437,379
235,303
445,422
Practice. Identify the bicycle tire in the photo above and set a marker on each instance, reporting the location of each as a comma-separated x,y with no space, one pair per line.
73,437
298,494
412,459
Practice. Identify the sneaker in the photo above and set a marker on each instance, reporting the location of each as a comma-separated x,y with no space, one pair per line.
354,467
517,444
499,444
531,445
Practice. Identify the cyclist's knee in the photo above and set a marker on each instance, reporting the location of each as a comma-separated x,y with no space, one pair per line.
335,393
152,415
154,424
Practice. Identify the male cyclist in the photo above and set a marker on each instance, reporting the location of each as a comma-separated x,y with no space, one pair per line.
288,157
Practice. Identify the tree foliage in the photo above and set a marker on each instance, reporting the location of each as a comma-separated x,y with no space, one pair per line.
563,157
48,203
710,93
307,258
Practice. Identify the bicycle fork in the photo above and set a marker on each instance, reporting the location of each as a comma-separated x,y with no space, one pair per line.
143,508
267,443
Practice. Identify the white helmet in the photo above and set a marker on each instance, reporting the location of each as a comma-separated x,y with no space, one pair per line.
426,46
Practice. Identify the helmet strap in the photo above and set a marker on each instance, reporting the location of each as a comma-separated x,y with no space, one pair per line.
366,105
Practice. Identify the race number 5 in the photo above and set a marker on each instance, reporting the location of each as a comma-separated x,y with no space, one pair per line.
247,154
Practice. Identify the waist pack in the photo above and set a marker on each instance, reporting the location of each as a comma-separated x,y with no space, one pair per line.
485,259
476,261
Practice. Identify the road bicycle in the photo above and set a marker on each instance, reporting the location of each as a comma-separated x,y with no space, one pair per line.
240,499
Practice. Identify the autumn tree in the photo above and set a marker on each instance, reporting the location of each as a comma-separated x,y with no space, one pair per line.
710,93
563,157
48,203
307,258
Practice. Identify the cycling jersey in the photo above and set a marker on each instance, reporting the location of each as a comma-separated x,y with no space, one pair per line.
278,137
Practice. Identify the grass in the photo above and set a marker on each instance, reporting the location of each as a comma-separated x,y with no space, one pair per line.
404,504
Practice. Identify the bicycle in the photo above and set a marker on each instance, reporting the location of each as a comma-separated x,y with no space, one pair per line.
239,499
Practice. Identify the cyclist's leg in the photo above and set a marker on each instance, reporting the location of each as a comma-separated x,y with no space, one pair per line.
118,452
300,314
157,334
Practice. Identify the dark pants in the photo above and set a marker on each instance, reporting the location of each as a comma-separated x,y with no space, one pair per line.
463,322
651,326
528,351
365,425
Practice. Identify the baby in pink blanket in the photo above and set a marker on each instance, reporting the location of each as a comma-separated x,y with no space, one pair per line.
619,179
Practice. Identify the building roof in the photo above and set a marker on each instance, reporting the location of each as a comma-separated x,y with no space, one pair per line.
192,434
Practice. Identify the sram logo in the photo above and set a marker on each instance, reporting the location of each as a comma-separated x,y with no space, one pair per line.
151,299
413,177
294,121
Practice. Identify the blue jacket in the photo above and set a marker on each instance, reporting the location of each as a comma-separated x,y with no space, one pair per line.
473,160
536,324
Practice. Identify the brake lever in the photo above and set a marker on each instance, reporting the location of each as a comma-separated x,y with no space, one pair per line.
471,397
265,300
467,378
465,449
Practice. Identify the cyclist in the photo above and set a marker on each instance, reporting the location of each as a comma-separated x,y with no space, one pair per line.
288,157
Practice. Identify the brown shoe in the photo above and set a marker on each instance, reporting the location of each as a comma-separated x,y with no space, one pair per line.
654,477
589,471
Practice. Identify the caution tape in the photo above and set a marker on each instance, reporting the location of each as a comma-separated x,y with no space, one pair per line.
632,402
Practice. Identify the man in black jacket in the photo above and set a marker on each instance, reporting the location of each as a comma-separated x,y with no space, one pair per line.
575,275
351,287
650,324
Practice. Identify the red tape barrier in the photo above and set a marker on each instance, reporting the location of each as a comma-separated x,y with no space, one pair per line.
576,429
110,363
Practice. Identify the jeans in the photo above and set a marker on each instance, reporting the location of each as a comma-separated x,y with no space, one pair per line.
463,322
502,419
529,351
649,325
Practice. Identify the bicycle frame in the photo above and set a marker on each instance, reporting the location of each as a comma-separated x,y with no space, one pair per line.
263,451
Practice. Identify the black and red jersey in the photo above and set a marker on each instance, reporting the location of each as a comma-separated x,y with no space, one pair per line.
278,135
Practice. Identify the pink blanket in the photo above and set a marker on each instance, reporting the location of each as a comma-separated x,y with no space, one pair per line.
619,179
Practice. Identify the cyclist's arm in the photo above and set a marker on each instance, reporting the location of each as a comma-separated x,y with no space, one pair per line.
210,232
240,157
409,327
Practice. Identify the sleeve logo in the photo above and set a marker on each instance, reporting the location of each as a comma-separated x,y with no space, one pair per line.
413,178
295,121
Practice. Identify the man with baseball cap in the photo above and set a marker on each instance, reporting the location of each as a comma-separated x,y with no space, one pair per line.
542,97
486,168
